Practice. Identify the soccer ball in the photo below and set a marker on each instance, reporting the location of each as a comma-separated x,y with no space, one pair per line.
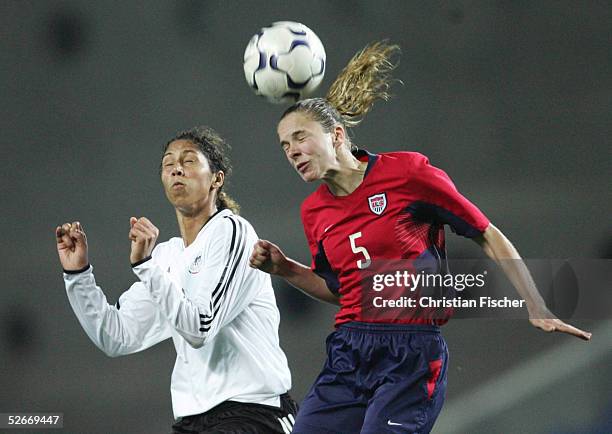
284,62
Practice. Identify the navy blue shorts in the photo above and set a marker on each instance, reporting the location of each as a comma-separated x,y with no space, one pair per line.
378,378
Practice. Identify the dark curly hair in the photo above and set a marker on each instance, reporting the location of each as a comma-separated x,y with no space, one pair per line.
215,149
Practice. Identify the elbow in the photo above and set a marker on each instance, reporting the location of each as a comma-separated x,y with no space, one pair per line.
112,355
195,343
111,349
111,352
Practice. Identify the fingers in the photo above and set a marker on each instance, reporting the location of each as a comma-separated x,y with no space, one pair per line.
140,233
260,254
142,228
143,235
574,331
63,235
143,223
146,222
266,247
70,235
556,325
77,233
132,235
58,234
67,228
264,244
262,247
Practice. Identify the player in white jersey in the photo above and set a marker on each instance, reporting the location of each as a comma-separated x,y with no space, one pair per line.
230,375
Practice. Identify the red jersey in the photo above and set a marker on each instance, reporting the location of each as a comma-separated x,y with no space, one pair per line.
398,212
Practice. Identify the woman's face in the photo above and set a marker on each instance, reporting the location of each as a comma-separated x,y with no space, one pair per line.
188,181
307,146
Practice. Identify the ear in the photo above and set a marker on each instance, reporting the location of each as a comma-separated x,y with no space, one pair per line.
338,136
218,179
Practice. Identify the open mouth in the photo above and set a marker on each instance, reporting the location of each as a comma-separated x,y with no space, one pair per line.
302,167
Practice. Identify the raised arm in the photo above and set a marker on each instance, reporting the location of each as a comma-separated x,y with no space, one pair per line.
132,325
268,257
214,296
501,250
446,205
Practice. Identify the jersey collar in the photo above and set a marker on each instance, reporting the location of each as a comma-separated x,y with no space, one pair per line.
361,155
364,155
218,214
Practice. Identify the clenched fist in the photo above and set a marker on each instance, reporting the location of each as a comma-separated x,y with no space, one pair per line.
71,246
143,235
268,257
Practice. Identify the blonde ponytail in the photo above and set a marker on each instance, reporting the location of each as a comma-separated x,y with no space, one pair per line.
366,78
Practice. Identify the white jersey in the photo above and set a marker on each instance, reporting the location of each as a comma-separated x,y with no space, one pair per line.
220,313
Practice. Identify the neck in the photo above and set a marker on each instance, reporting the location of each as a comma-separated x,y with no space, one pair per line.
343,179
191,224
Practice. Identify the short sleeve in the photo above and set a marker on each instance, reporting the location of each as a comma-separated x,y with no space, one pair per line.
438,200
319,263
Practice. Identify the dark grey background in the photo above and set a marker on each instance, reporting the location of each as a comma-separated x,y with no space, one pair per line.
511,98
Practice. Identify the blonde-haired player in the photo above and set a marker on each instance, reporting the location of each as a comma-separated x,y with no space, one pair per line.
385,370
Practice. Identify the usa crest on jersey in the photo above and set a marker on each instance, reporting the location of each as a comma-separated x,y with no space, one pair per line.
378,203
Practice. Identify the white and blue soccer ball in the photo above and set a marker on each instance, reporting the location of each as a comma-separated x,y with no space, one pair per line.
284,62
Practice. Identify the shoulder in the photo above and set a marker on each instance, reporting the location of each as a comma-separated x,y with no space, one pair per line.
314,199
232,220
411,165
404,158
229,227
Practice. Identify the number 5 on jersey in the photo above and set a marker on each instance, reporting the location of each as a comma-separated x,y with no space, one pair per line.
361,264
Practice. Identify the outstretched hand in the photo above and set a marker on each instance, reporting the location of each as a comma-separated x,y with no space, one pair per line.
71,246
543,319
143,235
